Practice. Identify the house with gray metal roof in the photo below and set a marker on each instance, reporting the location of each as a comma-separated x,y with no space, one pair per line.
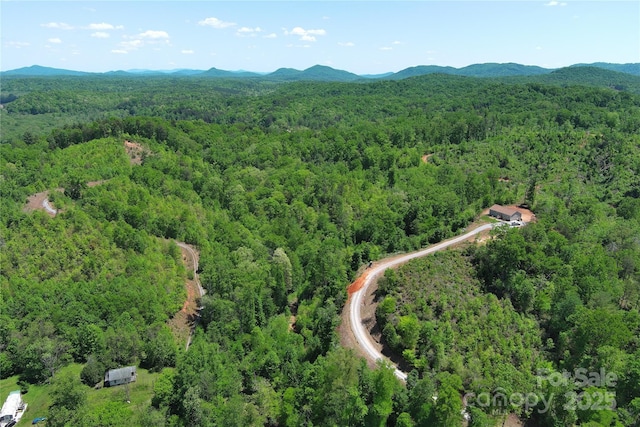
120,376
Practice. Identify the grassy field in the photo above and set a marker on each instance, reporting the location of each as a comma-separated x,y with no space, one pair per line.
38,400
486,219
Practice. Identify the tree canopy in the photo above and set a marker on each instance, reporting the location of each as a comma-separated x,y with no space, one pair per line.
287,190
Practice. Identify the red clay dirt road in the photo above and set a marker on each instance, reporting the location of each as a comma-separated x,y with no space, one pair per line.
183,323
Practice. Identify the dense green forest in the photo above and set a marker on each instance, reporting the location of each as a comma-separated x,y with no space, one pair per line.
287,190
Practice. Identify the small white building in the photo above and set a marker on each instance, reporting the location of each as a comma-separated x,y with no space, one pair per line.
12,409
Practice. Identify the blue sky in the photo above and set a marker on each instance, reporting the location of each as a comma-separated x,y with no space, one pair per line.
364,37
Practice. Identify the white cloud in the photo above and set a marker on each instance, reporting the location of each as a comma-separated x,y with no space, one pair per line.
248,32
132,44
555,3
396,42
152,34
17,45
270,36
187,51
100,35
386,48
149,37
119,51
100,26
55,40
57,25
216,23
347,44
317,32
305,35
538,47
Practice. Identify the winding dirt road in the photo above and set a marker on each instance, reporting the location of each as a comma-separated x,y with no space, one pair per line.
194,259
362,336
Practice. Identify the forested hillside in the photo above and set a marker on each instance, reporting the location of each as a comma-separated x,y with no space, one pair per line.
287,190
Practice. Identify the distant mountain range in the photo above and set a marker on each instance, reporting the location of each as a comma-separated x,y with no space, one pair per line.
324,73
476,70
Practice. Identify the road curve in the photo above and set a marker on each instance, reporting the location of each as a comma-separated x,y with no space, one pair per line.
362,336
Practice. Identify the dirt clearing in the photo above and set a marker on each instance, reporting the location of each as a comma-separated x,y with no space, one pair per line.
183,322
425,158
35,202
40,202
135,152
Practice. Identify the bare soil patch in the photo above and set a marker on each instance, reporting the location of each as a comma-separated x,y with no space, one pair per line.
38,201
35,201
184,320
357,284
134,151
425,158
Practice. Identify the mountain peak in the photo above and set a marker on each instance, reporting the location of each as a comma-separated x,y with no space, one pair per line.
40,71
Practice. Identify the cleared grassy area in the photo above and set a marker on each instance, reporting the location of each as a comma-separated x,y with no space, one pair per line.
98,400
486,219
139,392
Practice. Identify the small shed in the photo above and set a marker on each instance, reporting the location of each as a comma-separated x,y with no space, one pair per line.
120,376
505,213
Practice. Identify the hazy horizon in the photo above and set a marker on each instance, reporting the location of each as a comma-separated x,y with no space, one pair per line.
169,71
362,37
